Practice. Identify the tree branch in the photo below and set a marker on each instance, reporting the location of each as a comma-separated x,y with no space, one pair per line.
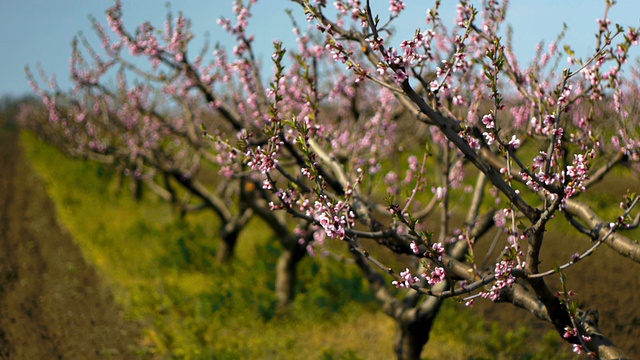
620,243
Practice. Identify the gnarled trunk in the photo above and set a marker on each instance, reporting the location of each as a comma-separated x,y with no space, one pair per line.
286,275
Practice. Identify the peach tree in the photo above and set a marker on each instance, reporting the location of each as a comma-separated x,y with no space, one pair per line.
357,140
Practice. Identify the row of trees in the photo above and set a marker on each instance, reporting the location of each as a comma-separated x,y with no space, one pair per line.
373,143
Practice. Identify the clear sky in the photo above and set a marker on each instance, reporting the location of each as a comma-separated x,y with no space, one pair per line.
40,31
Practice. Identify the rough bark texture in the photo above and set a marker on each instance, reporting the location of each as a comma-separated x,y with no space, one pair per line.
412,336
601,345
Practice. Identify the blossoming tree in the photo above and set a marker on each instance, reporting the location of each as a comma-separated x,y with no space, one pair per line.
375,144
150,127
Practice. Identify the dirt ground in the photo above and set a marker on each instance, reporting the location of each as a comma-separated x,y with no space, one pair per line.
52,304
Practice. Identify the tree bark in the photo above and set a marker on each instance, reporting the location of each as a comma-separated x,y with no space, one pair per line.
412,336
599,344
286,276
137,188
226,249
229,235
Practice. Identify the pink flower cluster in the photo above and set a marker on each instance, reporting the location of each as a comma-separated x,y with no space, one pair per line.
436,276
334,219
337,51
396,6
406,280
438,250
261,160
573,333
504,278
578,172
349,7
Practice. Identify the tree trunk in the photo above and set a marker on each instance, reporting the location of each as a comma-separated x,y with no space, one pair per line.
411,337
226,249
136,187
286,276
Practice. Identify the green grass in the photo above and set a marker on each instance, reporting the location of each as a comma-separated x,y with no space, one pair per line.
163,272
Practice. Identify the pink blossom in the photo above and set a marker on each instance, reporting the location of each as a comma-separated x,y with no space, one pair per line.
260,160
415,248
406,280
514,142
438,249
577,348
400,76
434,85
490,138
569,332
437,276
504,278
396,6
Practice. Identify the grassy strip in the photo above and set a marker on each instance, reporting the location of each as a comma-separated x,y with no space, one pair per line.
163,272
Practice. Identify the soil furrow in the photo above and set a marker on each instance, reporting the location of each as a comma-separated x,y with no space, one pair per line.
52,304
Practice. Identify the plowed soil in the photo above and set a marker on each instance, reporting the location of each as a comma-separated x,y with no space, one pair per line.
52,303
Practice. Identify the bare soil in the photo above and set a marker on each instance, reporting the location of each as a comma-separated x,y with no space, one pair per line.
52,303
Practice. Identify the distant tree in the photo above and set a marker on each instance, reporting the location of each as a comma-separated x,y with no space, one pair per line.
359,141
10,108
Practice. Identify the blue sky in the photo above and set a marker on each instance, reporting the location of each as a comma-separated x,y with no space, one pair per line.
40,31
